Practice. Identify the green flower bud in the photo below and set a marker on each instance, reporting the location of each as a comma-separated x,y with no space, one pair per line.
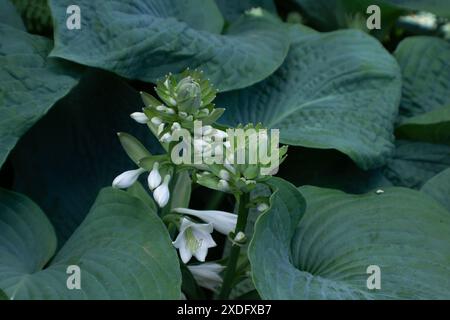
189,95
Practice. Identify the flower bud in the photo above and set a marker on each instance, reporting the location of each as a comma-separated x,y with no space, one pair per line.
139,117
162,193
188,95
127,179
154,178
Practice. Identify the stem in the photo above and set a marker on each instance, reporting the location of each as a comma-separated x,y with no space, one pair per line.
235,249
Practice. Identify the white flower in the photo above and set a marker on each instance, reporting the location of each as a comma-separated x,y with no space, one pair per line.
139,117
154,178
156,121
127,179
166,138
224,174
175,126
223,222
223,185
194,239
162,193
160,129
262,207
207,274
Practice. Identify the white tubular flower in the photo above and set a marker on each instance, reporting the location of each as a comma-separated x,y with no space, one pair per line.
224,174
162,193
156,121
194,239
219,134
127,179
160,129
207,130
154,178
207,275
175,126
201,146
166,138
223,185
223,222
139,117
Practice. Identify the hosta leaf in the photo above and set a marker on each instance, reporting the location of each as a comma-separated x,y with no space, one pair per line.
122,250
325,252
148,39
438,7
74,151
328,15
233,9
36,15
425,105
438,187
30,83
10,16
413,163
337,90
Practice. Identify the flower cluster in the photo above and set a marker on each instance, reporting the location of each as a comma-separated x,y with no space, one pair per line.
185,104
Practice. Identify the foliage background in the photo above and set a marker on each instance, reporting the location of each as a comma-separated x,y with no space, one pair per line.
360,110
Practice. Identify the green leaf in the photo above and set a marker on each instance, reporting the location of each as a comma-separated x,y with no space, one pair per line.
36,15
413,163
438,187
325,252
438,7
138,191
329,15
337,90
73,152
30,83
233,9
165,36
123,252
425,105
3,296
10,16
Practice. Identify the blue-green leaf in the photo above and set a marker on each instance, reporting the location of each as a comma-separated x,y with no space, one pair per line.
149,39
438,187
337,90
122,250
425,105
414,163
325,252
30,83
74,151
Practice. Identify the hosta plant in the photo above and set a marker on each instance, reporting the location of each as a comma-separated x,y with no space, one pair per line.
210,149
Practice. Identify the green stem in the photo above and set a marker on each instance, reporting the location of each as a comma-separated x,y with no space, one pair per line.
235,249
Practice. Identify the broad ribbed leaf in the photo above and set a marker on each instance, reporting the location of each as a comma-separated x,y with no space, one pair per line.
328,15
438,7
122,250
74,151
30,83
337,90
325,252
414,163
10,16
425,105
438,187
147,39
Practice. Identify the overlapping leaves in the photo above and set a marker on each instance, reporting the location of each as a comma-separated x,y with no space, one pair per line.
324,252
123,252
147,39
337,90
